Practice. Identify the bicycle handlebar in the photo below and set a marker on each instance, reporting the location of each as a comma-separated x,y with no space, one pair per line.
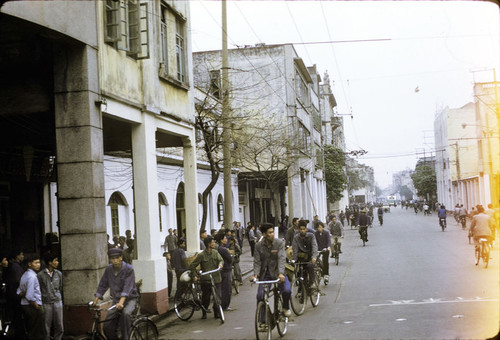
265,282
208,272
98,309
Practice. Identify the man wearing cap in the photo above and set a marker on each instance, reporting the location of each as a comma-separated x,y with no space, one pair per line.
119,278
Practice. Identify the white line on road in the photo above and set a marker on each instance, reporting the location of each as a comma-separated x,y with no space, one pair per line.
431,301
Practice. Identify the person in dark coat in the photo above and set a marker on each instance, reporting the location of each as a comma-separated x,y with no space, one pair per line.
226,271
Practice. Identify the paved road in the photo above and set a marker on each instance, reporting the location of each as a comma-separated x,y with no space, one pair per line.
411,281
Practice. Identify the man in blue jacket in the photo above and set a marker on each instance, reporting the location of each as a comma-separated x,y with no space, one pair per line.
119,278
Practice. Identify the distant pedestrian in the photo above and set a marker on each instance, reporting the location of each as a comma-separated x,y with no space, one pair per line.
170,241
203,235
252,239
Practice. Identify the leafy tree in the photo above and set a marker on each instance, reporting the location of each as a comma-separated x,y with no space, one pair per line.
424,180
336,180
405,192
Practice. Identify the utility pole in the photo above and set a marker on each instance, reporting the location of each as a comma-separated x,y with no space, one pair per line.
457,161
226,125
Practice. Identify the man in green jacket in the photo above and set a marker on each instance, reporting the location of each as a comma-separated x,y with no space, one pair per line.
208,259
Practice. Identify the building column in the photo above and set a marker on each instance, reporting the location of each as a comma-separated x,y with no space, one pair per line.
80,179
190,194
150,266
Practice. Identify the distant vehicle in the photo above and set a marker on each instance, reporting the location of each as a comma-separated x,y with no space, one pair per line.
391,200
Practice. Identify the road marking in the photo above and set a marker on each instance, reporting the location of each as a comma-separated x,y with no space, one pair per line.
458,316
400,319
238,328
348,322
432,301
197,331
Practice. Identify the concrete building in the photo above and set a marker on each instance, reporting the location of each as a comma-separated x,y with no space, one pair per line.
400,180
467,157
276,106
92,95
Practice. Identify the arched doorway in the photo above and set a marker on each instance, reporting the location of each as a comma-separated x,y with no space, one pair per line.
163,210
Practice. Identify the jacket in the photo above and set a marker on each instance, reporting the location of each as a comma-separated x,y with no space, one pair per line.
208,261
269,258
50,286
481,225
306,244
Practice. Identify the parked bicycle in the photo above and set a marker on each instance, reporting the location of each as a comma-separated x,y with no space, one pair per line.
482,251
189,300
143,328
300,291
268,315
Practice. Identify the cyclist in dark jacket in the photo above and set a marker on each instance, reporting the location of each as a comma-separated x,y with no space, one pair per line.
363,223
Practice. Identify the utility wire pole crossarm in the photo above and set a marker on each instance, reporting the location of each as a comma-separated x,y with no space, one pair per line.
226,125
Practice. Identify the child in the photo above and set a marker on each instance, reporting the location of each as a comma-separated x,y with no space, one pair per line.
31,302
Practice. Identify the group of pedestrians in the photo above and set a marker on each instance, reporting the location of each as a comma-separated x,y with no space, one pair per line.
33,293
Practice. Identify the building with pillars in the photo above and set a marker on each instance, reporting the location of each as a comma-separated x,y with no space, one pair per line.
95,94
276,104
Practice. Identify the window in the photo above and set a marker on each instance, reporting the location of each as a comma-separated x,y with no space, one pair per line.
301,89
179,50
126,27
214,83
173,45
116,201
220,208
162,206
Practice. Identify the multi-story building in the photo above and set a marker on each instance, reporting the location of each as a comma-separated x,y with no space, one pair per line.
278,122
94,97
400,180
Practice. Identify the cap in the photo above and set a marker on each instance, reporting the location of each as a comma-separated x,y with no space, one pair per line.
115,252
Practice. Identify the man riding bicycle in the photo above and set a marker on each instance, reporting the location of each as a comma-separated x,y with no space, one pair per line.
119,277
481,226
363,223
305,249
336,231
324,242
269,264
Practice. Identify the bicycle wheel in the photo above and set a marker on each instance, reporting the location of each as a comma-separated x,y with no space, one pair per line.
364,238
336,258
486,255
477,254
262,321
236,286
143,329
282,321
315,292
298,298
218,305
184,304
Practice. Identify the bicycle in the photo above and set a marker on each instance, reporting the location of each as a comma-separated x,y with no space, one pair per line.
482,251
364,234
442,223
336,250
463,222
235,283
186,302
143,328
265,318
300,292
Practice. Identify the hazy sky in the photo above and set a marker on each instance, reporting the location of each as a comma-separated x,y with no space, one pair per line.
392,87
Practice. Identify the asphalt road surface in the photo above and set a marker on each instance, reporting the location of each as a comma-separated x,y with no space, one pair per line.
411,281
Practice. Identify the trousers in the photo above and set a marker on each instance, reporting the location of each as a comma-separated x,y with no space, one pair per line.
54,318
124,318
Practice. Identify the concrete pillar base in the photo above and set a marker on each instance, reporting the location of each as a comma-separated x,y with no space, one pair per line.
154,290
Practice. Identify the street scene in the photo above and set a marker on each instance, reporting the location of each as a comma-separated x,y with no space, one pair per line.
411,280
185,169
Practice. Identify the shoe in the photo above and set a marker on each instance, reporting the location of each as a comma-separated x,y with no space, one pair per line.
340,251
228,309
241,283
204,316
287,313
